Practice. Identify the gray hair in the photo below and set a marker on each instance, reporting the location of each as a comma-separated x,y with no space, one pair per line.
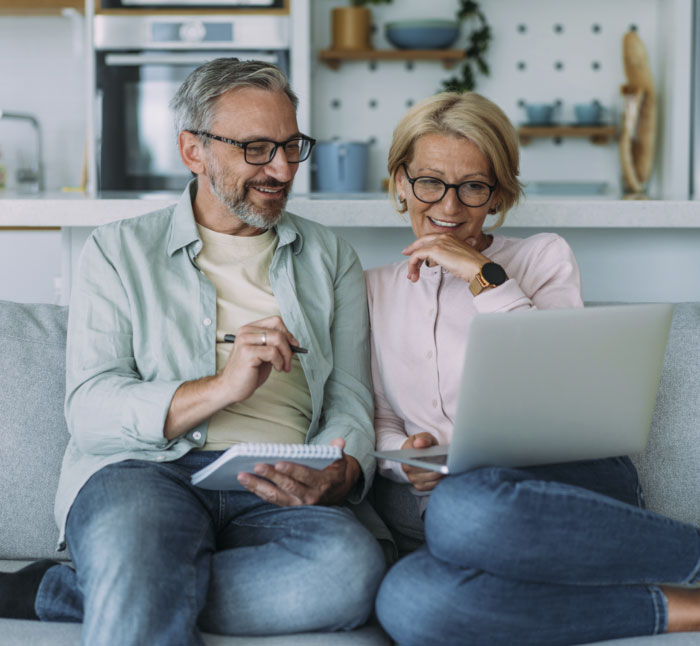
194,104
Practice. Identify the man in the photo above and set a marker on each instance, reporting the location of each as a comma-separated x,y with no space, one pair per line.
154,393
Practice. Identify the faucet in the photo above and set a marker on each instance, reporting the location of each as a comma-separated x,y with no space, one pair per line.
4,114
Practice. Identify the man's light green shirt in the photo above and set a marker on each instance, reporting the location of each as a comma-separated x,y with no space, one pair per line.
142,321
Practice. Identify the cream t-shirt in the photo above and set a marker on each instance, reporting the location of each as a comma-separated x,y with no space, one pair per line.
280,409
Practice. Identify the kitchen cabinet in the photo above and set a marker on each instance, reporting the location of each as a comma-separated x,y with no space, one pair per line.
38,7
334,57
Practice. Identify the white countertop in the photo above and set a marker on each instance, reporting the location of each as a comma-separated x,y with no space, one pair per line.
76,210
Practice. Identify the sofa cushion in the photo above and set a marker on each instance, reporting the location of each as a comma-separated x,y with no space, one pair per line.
33,432
669,469
17,632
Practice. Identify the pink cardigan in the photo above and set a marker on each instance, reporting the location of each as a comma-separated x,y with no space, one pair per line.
419,331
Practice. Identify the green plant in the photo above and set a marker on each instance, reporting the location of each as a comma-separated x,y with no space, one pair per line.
479,40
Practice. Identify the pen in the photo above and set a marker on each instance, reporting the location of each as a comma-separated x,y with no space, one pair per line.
230,338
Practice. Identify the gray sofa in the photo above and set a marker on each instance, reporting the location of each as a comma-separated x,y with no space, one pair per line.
33,436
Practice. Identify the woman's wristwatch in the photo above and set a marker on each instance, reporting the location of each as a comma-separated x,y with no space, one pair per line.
490,275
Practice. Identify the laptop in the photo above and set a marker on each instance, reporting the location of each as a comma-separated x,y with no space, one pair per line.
549,386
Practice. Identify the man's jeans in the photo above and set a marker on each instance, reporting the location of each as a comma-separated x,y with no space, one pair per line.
551,555
157,560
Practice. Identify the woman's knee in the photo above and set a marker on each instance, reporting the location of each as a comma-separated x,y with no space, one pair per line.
468,510
424,601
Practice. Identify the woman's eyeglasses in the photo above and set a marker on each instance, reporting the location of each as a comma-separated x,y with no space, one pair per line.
432,189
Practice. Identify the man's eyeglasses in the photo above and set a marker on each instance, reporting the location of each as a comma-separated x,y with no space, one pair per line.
432,189
262,151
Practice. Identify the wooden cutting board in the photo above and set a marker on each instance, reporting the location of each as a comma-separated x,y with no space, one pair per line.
638,138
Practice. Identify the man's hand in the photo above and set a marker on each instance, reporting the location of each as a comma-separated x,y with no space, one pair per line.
421,479
288,484
259,347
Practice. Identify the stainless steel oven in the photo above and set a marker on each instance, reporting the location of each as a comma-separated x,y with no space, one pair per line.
140,62
192,4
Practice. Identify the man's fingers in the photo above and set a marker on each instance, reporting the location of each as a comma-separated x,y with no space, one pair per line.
338,441
313,478
268,491
268,325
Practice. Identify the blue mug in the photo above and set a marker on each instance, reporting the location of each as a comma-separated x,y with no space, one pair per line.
539,114
341,166
588,113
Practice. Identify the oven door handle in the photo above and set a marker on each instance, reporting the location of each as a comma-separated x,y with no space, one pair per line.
124,60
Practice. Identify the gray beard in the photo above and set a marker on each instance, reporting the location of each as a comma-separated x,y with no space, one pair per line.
240,207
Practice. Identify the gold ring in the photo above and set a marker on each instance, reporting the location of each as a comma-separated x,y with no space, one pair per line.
264,338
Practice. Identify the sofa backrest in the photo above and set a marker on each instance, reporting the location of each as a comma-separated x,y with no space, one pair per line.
33,433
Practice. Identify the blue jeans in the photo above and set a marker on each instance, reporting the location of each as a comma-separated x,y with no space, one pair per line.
157,560
551,555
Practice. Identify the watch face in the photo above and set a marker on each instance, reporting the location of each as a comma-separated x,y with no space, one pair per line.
493,273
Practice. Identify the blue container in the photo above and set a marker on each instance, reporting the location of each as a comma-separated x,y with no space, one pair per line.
588,114
341,166
539,114
422,34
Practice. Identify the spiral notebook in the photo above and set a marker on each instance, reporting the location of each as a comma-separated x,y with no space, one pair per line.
242,458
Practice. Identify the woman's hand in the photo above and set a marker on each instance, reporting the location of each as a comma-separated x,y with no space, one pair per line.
421,479
459,257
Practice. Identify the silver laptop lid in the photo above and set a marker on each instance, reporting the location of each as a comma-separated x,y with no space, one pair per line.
549,386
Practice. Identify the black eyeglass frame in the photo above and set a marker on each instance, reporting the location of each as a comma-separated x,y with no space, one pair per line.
244,145
413,180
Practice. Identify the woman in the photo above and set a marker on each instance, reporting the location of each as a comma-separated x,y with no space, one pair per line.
556,554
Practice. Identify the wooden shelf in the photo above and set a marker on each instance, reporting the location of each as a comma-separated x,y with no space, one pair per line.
597,134
448,57
38,7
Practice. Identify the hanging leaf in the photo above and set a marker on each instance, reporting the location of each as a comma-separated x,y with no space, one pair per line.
478,44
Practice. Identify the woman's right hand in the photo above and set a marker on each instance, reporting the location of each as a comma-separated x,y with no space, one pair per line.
421,479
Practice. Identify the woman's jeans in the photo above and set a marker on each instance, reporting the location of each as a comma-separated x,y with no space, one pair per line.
157,560
552,555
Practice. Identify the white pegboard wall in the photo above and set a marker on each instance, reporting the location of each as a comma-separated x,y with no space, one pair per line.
542,51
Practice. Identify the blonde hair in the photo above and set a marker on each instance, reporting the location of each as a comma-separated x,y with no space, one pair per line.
467,115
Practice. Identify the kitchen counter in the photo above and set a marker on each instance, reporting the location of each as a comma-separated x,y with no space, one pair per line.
371,210
626,250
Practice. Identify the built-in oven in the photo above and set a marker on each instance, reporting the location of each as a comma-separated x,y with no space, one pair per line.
191,4
139,64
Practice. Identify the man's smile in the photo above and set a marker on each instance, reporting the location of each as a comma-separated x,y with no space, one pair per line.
271,191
